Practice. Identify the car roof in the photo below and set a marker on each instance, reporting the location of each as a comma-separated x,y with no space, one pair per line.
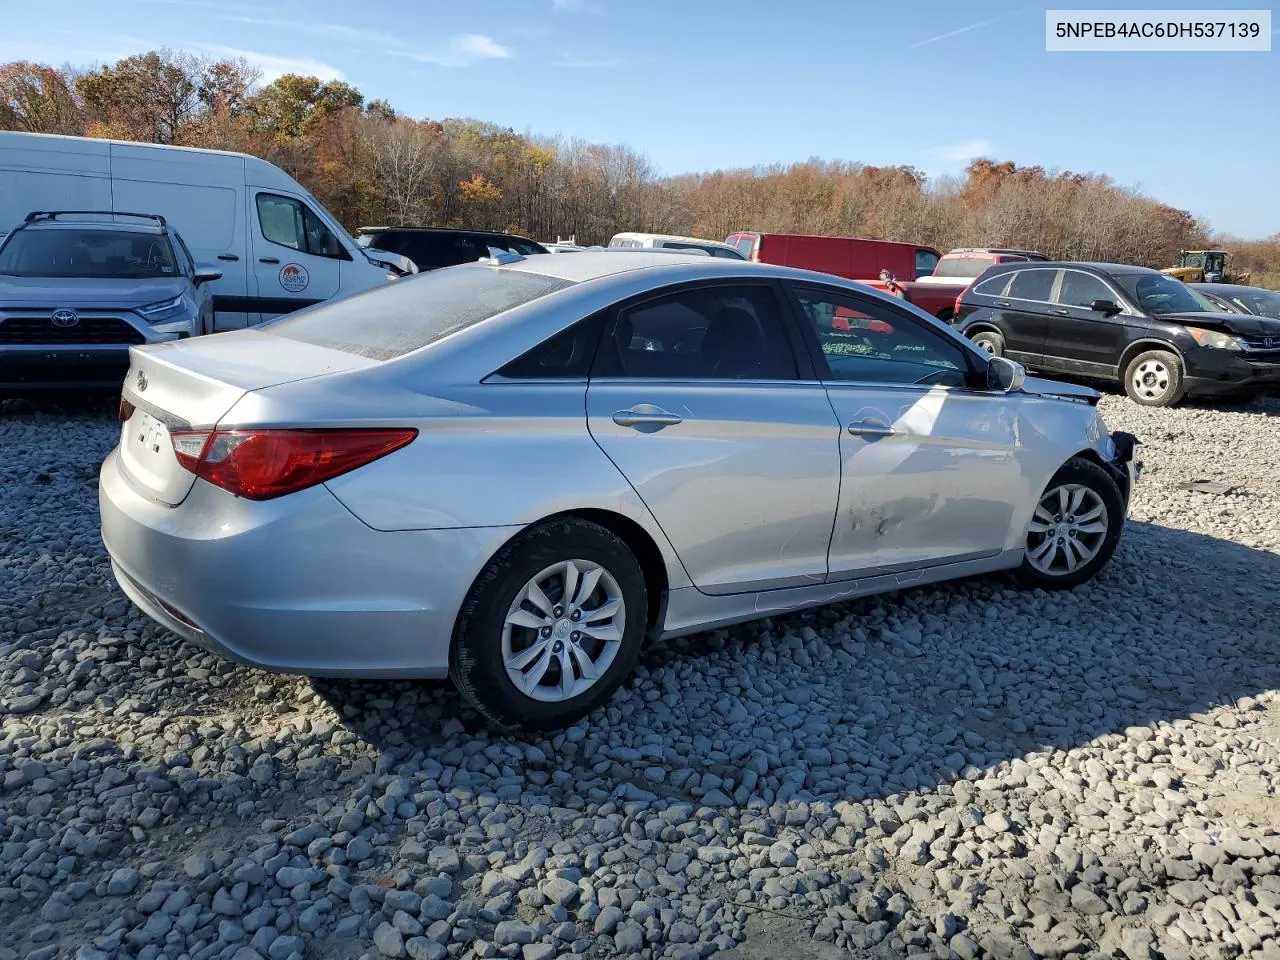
1111,268
457,230
595,264
1226,289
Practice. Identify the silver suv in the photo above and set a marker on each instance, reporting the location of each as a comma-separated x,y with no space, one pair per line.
79,287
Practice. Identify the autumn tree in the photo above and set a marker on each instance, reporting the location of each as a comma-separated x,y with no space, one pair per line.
38,99
147,97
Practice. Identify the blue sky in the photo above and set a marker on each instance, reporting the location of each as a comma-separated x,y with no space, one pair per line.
701,85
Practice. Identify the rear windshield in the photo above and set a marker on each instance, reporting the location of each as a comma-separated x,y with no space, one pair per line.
965,267
412,312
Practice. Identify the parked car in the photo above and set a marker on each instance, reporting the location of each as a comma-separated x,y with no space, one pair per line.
1161,340
964,264
277,247
886,265
513,472
433,247
76,292
663,241
1232,298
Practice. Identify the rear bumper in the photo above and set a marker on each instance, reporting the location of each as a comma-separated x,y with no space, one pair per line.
295,585
1216,372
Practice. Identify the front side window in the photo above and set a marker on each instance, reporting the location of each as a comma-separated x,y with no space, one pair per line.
926,261
1081,289
114,254
390,321
1034,285
871,342
291,223
701,333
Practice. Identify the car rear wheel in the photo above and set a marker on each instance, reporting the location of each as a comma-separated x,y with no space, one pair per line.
1075,527
551,627
1154,379
990,341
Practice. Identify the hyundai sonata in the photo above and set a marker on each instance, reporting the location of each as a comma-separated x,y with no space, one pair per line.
513,472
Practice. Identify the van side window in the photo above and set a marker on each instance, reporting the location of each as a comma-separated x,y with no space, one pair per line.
926,260
291,223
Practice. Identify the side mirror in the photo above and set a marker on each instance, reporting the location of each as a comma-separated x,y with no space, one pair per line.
1108,308
1005,376
205,275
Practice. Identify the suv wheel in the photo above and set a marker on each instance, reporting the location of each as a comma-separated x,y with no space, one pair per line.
1154,379
990,341
551,627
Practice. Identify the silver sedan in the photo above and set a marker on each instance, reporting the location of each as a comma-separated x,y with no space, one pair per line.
514,472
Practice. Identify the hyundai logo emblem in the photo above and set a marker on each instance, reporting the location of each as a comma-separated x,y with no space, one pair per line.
65,318
141,381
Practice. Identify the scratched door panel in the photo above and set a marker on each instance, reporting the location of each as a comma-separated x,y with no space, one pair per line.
940,486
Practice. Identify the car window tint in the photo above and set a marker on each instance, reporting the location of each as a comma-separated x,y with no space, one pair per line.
1081,289
868,341
715,332
568,354
392,320
1032,285
291,223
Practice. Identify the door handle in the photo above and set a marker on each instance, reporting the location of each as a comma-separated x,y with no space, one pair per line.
1059,311
268,259
646,413
228,256
871,428
1003,303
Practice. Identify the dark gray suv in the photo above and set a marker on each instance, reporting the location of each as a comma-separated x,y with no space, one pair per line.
78,288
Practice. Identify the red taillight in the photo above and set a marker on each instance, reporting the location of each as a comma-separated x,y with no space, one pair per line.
126,409
261,464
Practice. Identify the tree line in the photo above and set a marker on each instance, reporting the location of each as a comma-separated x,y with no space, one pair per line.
370,164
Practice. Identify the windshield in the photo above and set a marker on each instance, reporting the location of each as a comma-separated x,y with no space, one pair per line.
388,322
1158,294
87,253
1263,303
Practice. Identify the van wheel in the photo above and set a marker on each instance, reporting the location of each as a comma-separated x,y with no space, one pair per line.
990,341
1154,379
551,627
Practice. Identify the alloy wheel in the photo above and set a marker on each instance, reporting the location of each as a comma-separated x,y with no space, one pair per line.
1068,529
563,630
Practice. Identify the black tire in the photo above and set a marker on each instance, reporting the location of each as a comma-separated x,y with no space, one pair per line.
476,662
990,341
1155,379
1077,472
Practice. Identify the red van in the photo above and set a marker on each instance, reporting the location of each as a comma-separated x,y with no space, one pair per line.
850,257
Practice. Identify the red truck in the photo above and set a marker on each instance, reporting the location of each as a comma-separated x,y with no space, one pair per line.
887,265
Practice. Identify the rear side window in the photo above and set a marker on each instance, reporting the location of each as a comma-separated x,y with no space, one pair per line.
1032,285
567,355
412,312
992,286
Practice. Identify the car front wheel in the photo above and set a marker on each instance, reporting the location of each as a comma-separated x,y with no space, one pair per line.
551,627
1154,379
1075,527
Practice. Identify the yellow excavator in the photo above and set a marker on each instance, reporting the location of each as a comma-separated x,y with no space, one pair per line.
1204,266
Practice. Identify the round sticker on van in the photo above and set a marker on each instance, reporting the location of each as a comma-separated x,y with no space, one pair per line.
294,277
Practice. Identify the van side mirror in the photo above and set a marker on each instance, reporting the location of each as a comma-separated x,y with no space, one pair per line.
1004,375
205,275
1108,308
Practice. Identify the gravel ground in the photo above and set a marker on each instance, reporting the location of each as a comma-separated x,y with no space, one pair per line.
956,771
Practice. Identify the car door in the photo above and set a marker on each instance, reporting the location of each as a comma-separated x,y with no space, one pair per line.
1024,308
929,461
297,259
1079,339
697,398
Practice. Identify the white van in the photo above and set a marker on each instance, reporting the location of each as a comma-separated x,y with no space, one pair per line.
277,247
713,248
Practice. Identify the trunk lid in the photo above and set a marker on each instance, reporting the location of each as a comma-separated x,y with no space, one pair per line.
193,383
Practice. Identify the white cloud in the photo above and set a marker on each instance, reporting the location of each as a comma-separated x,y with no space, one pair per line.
972,26
272,66
466,49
